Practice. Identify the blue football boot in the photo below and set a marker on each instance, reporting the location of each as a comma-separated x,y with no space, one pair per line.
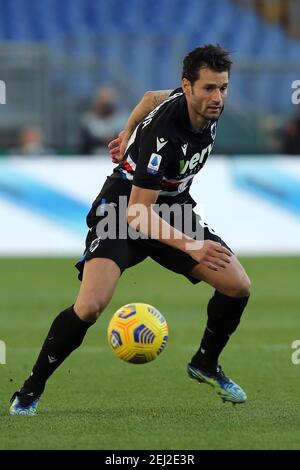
23,404
225,387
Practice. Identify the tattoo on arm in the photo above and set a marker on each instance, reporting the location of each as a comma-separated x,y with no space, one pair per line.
160,96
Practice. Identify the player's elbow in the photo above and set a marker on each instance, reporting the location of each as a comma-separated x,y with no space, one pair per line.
149,98
149,95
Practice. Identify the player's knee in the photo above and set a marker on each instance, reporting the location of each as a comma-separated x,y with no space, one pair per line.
241,288
90,310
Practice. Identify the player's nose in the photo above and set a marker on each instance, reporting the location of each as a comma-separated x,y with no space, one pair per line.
217,97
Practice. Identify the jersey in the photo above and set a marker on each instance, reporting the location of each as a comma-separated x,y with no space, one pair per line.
165,153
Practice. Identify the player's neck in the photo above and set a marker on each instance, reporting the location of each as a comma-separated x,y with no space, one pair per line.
197,121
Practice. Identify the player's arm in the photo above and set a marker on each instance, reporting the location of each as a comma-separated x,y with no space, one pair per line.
150,101
142,218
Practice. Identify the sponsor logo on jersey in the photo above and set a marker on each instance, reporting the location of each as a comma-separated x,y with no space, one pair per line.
160,143
196,159
154,163
181,165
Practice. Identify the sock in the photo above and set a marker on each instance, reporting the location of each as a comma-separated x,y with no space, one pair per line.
65,335
224,314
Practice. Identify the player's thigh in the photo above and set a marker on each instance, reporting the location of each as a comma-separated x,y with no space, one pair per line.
232,280
100,278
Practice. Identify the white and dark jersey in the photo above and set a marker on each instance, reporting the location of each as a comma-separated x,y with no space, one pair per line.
165,153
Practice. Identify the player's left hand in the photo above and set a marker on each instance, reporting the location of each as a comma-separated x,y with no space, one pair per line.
118,146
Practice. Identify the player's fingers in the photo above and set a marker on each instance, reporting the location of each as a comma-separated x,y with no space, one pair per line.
211,262
212,243
114,143
217,247
213,255
211,266
114,147
223,249
217,260
115,151
224,258
220,256
221,264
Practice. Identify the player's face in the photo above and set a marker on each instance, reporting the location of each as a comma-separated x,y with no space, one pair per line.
206,95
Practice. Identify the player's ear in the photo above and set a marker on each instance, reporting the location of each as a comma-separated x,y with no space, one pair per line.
186,86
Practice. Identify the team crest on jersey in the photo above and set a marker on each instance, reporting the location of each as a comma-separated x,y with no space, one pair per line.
94,245
154,164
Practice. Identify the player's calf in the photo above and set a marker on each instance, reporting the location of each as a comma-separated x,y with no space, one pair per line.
65,335
224,315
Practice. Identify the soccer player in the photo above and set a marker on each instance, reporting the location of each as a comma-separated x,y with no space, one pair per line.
164,151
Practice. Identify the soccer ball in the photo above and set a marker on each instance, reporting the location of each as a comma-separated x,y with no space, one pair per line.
137,333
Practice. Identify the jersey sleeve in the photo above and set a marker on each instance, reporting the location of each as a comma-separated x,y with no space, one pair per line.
154,157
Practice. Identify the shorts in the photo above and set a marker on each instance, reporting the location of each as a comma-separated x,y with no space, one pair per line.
126,252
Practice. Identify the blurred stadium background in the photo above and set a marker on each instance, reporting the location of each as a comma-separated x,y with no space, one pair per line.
55,56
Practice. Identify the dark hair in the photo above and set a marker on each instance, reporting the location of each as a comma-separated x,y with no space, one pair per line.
209,56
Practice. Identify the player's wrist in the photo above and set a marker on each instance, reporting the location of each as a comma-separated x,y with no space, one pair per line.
194,248
188,245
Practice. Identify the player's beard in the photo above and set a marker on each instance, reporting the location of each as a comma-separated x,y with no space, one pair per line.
203,115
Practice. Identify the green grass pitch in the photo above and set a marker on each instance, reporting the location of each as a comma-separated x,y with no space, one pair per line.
96,401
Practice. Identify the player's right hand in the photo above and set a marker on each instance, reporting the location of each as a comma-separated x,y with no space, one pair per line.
212,255
118,146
